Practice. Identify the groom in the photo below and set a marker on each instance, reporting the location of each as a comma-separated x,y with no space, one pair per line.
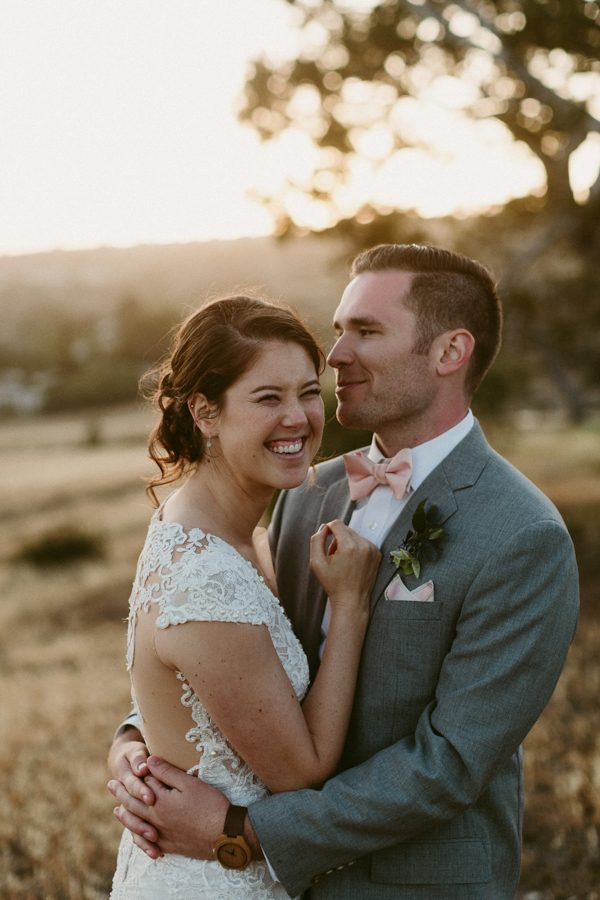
466,639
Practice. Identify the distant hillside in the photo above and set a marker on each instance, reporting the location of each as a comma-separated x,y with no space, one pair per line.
80,327
307,272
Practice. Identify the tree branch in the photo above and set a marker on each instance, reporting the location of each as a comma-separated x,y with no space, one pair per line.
567,108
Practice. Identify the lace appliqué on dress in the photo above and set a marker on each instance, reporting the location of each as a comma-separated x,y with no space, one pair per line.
194,576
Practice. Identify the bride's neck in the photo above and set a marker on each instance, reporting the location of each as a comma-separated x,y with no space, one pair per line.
222,505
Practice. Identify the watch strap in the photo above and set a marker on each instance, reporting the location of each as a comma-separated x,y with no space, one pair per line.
234,820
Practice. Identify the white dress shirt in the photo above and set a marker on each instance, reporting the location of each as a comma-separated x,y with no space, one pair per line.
373,516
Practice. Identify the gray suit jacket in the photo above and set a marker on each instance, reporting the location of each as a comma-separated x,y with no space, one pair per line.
428,802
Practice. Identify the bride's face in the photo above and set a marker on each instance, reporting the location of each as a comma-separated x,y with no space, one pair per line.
271,421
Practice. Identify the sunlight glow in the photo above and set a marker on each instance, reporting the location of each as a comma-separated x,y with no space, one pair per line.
118,127
118,120
584,165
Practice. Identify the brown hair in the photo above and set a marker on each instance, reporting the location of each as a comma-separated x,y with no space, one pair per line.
448,291
210,350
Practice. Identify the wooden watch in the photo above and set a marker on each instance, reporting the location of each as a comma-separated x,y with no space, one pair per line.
232,849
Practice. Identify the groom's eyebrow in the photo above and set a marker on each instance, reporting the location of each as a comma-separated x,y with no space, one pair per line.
358,321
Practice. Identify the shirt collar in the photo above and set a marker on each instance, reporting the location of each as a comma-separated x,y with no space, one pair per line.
427,456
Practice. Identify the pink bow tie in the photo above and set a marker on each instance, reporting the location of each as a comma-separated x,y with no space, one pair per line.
364,475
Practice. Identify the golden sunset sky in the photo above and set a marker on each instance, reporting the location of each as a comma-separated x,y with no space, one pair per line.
118,127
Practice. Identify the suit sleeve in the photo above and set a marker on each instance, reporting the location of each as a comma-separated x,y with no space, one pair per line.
274,530
516,623
133,720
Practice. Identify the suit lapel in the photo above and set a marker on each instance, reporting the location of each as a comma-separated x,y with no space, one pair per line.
459,470
336,505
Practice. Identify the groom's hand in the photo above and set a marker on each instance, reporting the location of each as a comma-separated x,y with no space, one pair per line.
187,815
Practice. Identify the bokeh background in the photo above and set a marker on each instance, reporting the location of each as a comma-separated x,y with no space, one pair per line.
154,154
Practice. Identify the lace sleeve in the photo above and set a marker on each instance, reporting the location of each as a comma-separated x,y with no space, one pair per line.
202,578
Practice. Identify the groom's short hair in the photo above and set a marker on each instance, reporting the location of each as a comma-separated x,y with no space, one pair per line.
448,291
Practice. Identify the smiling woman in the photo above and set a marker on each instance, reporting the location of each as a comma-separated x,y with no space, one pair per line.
218,677
235,362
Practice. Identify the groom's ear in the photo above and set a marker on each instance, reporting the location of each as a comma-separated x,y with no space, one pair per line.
453,350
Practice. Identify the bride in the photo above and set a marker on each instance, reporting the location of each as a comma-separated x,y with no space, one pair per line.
219,680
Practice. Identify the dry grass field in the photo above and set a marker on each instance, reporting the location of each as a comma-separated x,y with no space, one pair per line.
64,688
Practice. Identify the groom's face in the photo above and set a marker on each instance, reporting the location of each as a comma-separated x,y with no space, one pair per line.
381,380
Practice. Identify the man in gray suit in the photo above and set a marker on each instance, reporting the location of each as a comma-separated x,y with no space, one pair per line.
473,611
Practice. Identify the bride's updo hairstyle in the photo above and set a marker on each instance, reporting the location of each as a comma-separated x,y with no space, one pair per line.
210,350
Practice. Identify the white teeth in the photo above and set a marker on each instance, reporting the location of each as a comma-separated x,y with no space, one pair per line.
288,448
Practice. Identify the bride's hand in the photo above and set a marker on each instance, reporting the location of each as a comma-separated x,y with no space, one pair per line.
345,563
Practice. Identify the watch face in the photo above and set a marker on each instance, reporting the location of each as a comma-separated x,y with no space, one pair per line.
232,855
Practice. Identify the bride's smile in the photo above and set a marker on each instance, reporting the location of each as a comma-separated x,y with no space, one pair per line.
269,427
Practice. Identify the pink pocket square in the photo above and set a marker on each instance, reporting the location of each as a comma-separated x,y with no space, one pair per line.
397,590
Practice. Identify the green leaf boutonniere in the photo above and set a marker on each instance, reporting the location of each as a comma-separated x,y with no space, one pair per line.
424,531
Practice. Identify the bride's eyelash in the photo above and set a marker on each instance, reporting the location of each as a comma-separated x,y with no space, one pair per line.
315,391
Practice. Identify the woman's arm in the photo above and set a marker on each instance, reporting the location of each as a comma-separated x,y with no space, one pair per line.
236,673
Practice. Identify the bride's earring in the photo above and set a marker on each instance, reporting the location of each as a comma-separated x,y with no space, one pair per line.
209,442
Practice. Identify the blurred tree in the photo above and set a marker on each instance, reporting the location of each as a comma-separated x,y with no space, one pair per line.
88,358
529,66
142,331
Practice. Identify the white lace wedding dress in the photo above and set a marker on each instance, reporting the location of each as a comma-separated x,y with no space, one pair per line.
194,576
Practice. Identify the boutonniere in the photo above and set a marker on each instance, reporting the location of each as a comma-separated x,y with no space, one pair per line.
424,531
